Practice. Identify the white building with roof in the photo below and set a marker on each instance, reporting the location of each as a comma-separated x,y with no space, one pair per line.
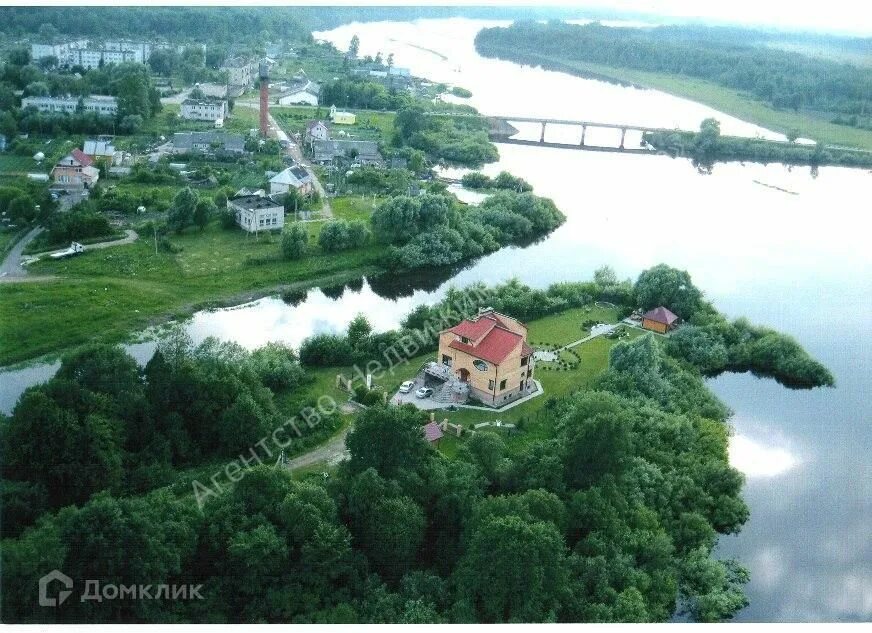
204,109
294,177
256,213
99,104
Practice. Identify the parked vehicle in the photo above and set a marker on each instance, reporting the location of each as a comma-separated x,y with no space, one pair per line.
74,249
424,392
406,387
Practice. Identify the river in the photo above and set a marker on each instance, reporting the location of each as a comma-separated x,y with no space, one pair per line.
784,247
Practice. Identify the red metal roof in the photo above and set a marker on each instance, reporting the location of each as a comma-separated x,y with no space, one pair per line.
494,347
82,157
474,330
432,432
661,315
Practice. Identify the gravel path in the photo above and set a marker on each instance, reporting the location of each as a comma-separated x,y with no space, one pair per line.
11,267
332,452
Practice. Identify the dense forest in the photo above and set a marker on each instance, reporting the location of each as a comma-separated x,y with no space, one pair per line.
229,23
613,516
782,79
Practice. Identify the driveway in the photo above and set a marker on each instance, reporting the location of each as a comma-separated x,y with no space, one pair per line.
11,267
332,452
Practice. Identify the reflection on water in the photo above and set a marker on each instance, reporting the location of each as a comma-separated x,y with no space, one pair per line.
775,244
758,459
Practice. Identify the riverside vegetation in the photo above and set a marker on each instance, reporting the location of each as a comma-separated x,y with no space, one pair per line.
729,69
572,525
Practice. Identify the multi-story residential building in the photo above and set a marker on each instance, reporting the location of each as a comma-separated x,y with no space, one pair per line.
491,356
100,104
89,55
240,71
204,109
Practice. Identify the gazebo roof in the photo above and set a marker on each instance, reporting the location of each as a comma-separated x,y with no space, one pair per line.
661,315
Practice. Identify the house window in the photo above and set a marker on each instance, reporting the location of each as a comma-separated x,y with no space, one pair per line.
490,385
524,360
464,340
502,385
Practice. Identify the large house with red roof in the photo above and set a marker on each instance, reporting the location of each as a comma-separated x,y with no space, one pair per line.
491,355
76,168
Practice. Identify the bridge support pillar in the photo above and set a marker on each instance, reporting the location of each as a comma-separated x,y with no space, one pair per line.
542,136
583,132
623,134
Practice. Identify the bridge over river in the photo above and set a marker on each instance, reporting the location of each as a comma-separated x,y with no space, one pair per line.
502,131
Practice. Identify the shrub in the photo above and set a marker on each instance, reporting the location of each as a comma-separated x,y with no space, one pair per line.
295,241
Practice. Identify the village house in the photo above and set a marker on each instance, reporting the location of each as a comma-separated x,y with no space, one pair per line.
660,320
490,354
256,213
102,150
342,118
294,177
361,152
317,131
204,109
99,104
75,168
305,94
207,142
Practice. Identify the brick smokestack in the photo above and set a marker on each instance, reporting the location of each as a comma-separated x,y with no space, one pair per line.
264,100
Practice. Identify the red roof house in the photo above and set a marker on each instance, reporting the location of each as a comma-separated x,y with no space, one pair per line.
490,353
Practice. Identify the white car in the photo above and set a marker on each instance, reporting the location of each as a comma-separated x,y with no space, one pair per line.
424,392
406,387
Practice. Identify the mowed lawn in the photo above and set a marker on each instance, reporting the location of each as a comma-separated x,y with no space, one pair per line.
566,327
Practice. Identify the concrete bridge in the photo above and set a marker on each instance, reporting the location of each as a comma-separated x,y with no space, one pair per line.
502,130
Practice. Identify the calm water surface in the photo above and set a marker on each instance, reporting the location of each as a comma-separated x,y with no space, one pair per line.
796,260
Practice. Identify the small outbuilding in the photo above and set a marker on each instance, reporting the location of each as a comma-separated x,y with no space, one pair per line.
433,433
660,320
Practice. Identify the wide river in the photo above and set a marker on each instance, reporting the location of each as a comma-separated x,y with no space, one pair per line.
782,246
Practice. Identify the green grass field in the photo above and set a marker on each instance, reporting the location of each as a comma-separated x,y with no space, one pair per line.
370,124
354,207
111,293
734,103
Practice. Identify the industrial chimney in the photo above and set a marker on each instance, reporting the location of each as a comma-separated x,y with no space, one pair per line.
264,100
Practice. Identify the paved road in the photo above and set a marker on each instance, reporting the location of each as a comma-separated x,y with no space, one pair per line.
295,153
11,267
332,452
